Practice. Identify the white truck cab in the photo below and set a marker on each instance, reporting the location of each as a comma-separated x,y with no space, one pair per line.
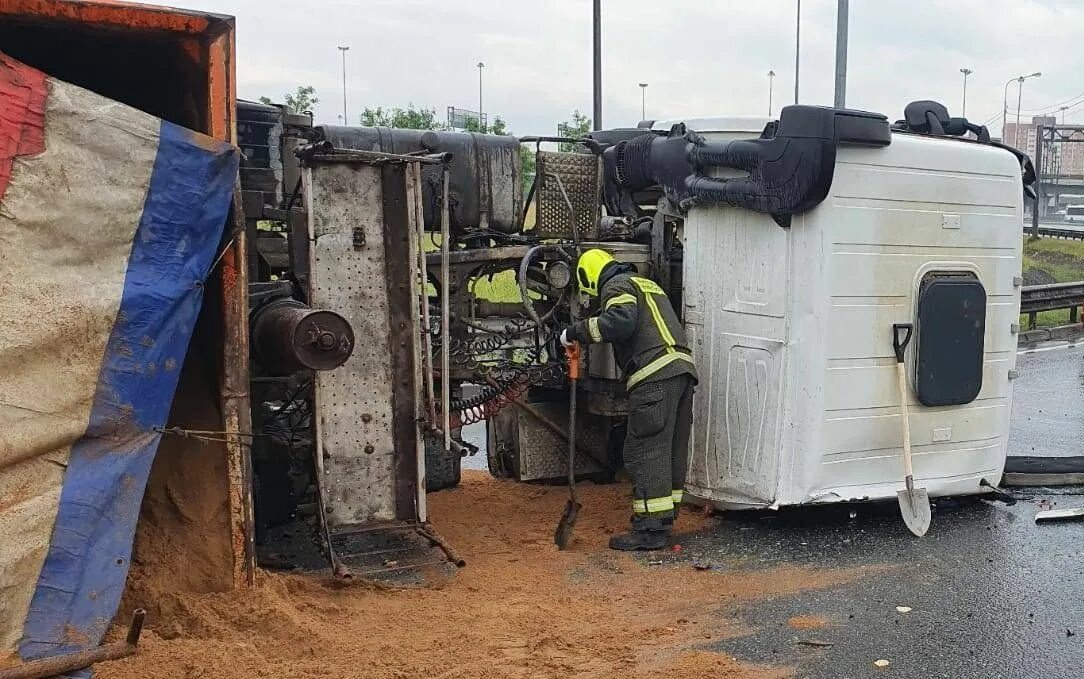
792,327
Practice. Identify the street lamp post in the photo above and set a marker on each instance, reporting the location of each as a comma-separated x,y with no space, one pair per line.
481,125
1019,103
1005,106
966,72
842,21
797,46
643,101
343,49
771,82
596,49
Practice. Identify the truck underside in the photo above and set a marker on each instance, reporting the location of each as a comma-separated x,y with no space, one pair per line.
495,256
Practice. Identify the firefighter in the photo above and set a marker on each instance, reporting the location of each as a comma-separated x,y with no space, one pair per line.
649,343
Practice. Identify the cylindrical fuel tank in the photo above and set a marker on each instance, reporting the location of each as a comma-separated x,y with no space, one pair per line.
486,189
289,336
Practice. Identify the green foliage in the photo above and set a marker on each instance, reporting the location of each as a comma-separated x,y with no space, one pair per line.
1062,259
301,101
410,118
498,126
527,163
578,126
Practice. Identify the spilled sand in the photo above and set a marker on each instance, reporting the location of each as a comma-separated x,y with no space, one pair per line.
520,608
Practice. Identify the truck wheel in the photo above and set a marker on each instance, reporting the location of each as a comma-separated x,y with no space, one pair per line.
442,468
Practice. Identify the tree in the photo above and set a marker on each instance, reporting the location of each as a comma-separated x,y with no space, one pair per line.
410,118
301,101
526,163
415,118
577,127
498,126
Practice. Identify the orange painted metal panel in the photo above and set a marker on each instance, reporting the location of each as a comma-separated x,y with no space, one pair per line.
116,14
207,37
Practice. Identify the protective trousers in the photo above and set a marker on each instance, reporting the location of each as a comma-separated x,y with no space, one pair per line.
657,443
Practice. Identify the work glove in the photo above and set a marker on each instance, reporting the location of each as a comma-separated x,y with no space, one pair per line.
568,337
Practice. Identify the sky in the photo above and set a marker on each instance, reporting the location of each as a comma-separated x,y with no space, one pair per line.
699,58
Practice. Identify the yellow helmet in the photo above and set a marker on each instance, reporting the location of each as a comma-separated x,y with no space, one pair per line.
590,268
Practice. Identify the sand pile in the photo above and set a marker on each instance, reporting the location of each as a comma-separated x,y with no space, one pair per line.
519,609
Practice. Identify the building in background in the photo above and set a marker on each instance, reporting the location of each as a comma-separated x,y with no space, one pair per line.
1062,172
1063,160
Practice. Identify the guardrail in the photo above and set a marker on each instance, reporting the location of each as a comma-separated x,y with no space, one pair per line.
1036,298
1056,232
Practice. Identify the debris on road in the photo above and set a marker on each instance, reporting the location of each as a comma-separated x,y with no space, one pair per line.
1069,514
816,643
880,663
903,609
808,622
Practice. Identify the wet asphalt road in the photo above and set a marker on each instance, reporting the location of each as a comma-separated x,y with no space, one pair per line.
993,594
1048,402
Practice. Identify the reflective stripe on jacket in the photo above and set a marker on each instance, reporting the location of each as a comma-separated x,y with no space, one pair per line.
639,321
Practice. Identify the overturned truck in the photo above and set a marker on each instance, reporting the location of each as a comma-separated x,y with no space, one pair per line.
304,350
790,247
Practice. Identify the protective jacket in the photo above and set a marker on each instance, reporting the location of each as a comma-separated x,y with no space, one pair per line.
637,318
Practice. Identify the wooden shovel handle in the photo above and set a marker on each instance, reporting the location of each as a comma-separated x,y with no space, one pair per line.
901,377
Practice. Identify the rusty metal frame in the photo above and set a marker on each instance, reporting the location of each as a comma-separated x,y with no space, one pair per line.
398,230
119,14
73,662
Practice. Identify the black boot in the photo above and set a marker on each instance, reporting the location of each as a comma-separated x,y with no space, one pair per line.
647,533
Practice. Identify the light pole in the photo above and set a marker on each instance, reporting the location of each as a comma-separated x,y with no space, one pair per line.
966,72
1019,103
842,22
771,82
1005,106
797,46
643,101
481,125
596,49
343,48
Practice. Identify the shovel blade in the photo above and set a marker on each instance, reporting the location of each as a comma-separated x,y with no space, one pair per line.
915,510
563,535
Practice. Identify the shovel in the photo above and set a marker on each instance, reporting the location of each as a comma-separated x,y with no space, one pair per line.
563,533
914,502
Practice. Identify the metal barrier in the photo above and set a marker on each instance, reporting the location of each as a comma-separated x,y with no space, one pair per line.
1056,232
1036,298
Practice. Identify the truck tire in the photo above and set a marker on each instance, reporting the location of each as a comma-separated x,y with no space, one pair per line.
442,468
